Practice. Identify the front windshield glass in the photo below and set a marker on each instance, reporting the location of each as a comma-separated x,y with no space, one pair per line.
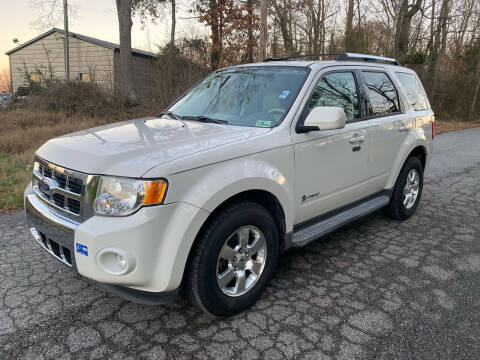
249,96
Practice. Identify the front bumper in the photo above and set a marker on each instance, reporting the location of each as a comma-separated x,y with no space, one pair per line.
54,232
156,242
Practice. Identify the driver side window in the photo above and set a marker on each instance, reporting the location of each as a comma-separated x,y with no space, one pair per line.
336,89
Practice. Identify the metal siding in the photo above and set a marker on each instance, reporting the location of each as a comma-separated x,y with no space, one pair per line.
143,71
85,57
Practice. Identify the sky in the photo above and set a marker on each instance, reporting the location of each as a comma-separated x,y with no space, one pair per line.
96,18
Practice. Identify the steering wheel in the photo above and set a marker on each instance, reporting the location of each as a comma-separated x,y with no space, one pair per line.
276,110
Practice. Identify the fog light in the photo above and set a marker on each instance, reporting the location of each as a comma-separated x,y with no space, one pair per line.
115,261
122,261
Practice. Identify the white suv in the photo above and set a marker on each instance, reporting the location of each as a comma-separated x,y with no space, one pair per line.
253,160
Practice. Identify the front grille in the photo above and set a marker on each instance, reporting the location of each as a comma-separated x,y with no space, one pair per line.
64,189
58,199
65,182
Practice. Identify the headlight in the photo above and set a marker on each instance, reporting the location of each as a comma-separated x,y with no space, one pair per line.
122,196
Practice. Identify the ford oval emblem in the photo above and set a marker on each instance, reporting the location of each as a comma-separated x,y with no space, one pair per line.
47,186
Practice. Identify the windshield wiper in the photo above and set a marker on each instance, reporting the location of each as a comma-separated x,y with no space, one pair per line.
170,114
205,119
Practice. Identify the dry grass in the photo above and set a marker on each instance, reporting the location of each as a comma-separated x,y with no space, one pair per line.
24,131
448,126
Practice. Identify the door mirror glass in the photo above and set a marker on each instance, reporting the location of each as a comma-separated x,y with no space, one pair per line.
325,118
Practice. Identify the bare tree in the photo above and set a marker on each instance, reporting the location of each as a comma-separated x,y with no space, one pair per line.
439,39
262,48
153,9
404,20
349,41
49,13
126,89
284,15
477,85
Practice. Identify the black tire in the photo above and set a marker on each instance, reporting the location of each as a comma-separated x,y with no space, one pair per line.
201,282
396,208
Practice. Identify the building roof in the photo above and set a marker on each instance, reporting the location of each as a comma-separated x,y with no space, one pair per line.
89,39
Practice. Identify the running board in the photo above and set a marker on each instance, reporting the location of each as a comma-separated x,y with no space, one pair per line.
325,226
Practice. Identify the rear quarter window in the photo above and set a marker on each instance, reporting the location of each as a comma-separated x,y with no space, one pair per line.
416,96
382,96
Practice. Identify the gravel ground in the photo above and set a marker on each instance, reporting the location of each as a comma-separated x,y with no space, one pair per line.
374,289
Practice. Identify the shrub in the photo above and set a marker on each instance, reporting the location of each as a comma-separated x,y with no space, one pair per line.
75,97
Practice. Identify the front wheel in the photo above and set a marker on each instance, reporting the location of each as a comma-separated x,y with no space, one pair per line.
233,260
407,191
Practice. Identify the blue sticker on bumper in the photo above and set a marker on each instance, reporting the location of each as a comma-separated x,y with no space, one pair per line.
82,249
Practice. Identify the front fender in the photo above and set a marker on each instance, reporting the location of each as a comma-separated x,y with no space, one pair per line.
210,186
413,140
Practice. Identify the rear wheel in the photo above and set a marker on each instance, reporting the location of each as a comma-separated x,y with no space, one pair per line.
407,191
234,259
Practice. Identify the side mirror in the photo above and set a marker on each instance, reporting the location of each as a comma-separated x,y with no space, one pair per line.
324,118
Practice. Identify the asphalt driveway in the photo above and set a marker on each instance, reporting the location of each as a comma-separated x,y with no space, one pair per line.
375,289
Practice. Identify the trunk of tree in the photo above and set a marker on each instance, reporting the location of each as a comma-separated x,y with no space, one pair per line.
332,47
432,29
216,37
274,40
262,48
127,85
417,33
349,41
439,32
285,26
463,28
477,88
444,17
174,22
475,96
250,31
402,33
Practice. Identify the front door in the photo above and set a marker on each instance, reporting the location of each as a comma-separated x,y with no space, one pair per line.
331,166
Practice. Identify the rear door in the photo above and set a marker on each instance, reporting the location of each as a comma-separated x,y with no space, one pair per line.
389,123
331,165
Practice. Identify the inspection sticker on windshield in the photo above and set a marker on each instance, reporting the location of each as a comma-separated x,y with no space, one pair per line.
82,249
284,94
263,123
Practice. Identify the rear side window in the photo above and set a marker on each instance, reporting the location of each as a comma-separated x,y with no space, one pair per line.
415,94
336,89
382,97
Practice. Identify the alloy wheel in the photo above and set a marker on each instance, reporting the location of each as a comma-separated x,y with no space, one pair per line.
241,261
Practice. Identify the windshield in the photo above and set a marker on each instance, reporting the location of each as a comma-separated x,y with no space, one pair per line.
249,96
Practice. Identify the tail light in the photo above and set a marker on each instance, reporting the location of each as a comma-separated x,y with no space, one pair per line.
433,127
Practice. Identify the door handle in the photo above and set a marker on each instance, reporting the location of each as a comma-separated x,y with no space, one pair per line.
357,139
403,127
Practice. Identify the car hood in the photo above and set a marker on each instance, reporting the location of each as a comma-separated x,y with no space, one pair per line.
131,148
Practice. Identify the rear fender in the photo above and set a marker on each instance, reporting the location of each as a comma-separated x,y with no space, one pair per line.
415,138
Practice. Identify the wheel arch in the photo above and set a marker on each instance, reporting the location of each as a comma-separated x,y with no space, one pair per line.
420,152
262,197
418,149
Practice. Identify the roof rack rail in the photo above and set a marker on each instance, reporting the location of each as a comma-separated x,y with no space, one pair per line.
301,57
340,57
368,58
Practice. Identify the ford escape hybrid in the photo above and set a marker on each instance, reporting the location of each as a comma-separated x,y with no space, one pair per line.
253,160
